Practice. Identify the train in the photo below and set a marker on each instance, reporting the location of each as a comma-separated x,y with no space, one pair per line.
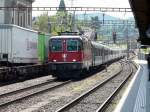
29,53
71,55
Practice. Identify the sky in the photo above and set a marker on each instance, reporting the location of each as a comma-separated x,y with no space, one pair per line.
86,3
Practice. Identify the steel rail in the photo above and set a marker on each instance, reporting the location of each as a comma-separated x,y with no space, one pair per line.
75,101
111,97
31,94
26,88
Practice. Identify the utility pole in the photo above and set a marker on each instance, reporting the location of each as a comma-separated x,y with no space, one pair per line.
73,18
49,24
85,20
103,18
127,41
73,21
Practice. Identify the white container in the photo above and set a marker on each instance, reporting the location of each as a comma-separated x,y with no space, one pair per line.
18,45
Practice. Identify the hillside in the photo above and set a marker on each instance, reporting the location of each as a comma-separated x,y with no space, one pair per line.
100,16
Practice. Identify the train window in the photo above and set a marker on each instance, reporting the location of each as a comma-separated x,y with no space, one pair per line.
56,45
72,45
106,52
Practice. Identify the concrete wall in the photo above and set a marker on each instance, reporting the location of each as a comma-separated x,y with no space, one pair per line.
18,45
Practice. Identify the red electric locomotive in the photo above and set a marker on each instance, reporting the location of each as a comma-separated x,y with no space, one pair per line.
69,55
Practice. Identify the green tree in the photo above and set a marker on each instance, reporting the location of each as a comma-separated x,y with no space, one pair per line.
62,17
41,23
59,22
62,6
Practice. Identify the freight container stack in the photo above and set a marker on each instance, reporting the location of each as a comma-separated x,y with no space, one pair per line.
23,46
18,45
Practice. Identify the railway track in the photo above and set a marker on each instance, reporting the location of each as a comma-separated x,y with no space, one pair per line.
14,96
98,98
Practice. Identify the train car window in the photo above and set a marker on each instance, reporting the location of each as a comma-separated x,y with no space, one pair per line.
72,45
56,45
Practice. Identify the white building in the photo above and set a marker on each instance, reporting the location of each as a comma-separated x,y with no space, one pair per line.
20,16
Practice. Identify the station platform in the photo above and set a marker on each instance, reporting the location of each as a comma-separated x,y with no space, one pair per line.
136,97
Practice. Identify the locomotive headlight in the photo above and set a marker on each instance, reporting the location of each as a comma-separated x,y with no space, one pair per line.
54,60
74,60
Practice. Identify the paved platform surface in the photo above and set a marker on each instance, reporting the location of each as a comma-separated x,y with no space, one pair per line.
136,97
142,95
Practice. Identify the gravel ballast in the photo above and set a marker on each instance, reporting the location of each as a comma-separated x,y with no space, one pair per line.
52,100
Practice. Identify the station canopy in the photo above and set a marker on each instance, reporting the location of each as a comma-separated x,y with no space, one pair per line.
141,11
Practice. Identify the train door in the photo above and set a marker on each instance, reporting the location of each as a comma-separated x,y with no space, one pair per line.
103,55
93,56
84,52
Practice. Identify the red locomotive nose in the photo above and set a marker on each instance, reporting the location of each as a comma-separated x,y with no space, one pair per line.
65,50
64,56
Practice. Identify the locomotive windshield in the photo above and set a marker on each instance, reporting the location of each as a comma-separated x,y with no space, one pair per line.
73,45
56,45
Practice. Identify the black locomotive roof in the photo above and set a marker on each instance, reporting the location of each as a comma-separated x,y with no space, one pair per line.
66,36
69,33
